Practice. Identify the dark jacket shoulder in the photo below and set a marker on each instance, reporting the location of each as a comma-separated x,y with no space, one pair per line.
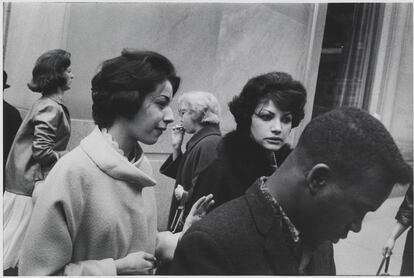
243,236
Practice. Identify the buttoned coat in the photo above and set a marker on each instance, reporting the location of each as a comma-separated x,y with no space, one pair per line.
201,150
40,141
244,237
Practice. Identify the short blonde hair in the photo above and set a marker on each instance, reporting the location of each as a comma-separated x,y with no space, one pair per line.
205,104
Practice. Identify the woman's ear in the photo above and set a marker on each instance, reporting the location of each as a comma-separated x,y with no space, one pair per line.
318,177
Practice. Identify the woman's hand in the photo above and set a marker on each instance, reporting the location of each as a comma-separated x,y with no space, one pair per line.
135,264
198,210
389,245
399,228
177,135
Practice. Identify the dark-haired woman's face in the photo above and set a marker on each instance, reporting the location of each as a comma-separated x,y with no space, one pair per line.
69,76
270,126
154,116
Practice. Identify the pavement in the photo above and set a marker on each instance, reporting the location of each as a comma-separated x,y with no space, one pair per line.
361,253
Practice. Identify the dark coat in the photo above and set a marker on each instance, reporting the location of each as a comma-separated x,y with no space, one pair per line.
240,162
244,236
405,217
200,152
11,123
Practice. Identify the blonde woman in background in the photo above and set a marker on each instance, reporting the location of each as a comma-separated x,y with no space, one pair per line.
199,116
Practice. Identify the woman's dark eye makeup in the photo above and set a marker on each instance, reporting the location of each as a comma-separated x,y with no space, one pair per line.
268,116
287,118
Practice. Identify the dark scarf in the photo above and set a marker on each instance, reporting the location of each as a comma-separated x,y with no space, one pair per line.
247,159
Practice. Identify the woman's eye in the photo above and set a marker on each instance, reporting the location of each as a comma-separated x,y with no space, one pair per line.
287,119
266,117
162,104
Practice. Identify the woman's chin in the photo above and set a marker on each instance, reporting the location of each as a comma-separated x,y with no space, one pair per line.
273,147
149,140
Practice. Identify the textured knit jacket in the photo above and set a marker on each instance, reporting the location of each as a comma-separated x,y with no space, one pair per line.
93,208
200,152
40,141
240,162
244,237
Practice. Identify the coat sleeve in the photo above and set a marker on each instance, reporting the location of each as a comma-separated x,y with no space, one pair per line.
213,180
46,122
204,154
170,167
199,254
48,246
405,212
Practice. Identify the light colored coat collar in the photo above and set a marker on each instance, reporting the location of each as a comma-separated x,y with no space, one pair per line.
55,99
113,163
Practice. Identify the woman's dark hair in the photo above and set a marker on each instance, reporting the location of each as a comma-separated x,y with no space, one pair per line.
122,83
49,71
286,93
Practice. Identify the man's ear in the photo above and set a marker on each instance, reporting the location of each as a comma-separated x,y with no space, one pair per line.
317,177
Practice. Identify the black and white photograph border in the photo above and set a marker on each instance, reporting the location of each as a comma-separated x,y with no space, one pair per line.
345,53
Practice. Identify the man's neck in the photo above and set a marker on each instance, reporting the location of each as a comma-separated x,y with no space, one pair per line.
283,188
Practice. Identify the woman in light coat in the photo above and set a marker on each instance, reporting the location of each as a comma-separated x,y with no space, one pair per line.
99,216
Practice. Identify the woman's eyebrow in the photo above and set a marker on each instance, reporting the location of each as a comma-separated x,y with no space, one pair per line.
162,96
265,110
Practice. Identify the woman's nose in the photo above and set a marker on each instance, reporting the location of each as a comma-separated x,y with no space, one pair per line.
169,115
276,126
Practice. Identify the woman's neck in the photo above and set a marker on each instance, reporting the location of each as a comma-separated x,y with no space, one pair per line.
126,144
58,93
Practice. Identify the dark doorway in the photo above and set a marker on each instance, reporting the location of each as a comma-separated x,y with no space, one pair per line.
348,53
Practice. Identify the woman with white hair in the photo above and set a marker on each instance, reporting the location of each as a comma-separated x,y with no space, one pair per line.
199,115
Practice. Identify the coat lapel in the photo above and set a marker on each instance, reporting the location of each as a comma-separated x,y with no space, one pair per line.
280,255
268,224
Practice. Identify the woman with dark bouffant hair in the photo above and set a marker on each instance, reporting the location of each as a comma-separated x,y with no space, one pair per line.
266,110
97,215
40,141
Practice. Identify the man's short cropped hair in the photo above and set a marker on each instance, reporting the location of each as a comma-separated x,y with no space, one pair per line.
350,141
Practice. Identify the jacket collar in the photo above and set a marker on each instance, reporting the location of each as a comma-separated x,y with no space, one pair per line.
208,130
269,225
113,163
55,99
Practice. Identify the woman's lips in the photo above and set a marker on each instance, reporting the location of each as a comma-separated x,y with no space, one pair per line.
274,140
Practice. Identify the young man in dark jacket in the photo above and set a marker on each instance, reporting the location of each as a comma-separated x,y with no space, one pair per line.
344,165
